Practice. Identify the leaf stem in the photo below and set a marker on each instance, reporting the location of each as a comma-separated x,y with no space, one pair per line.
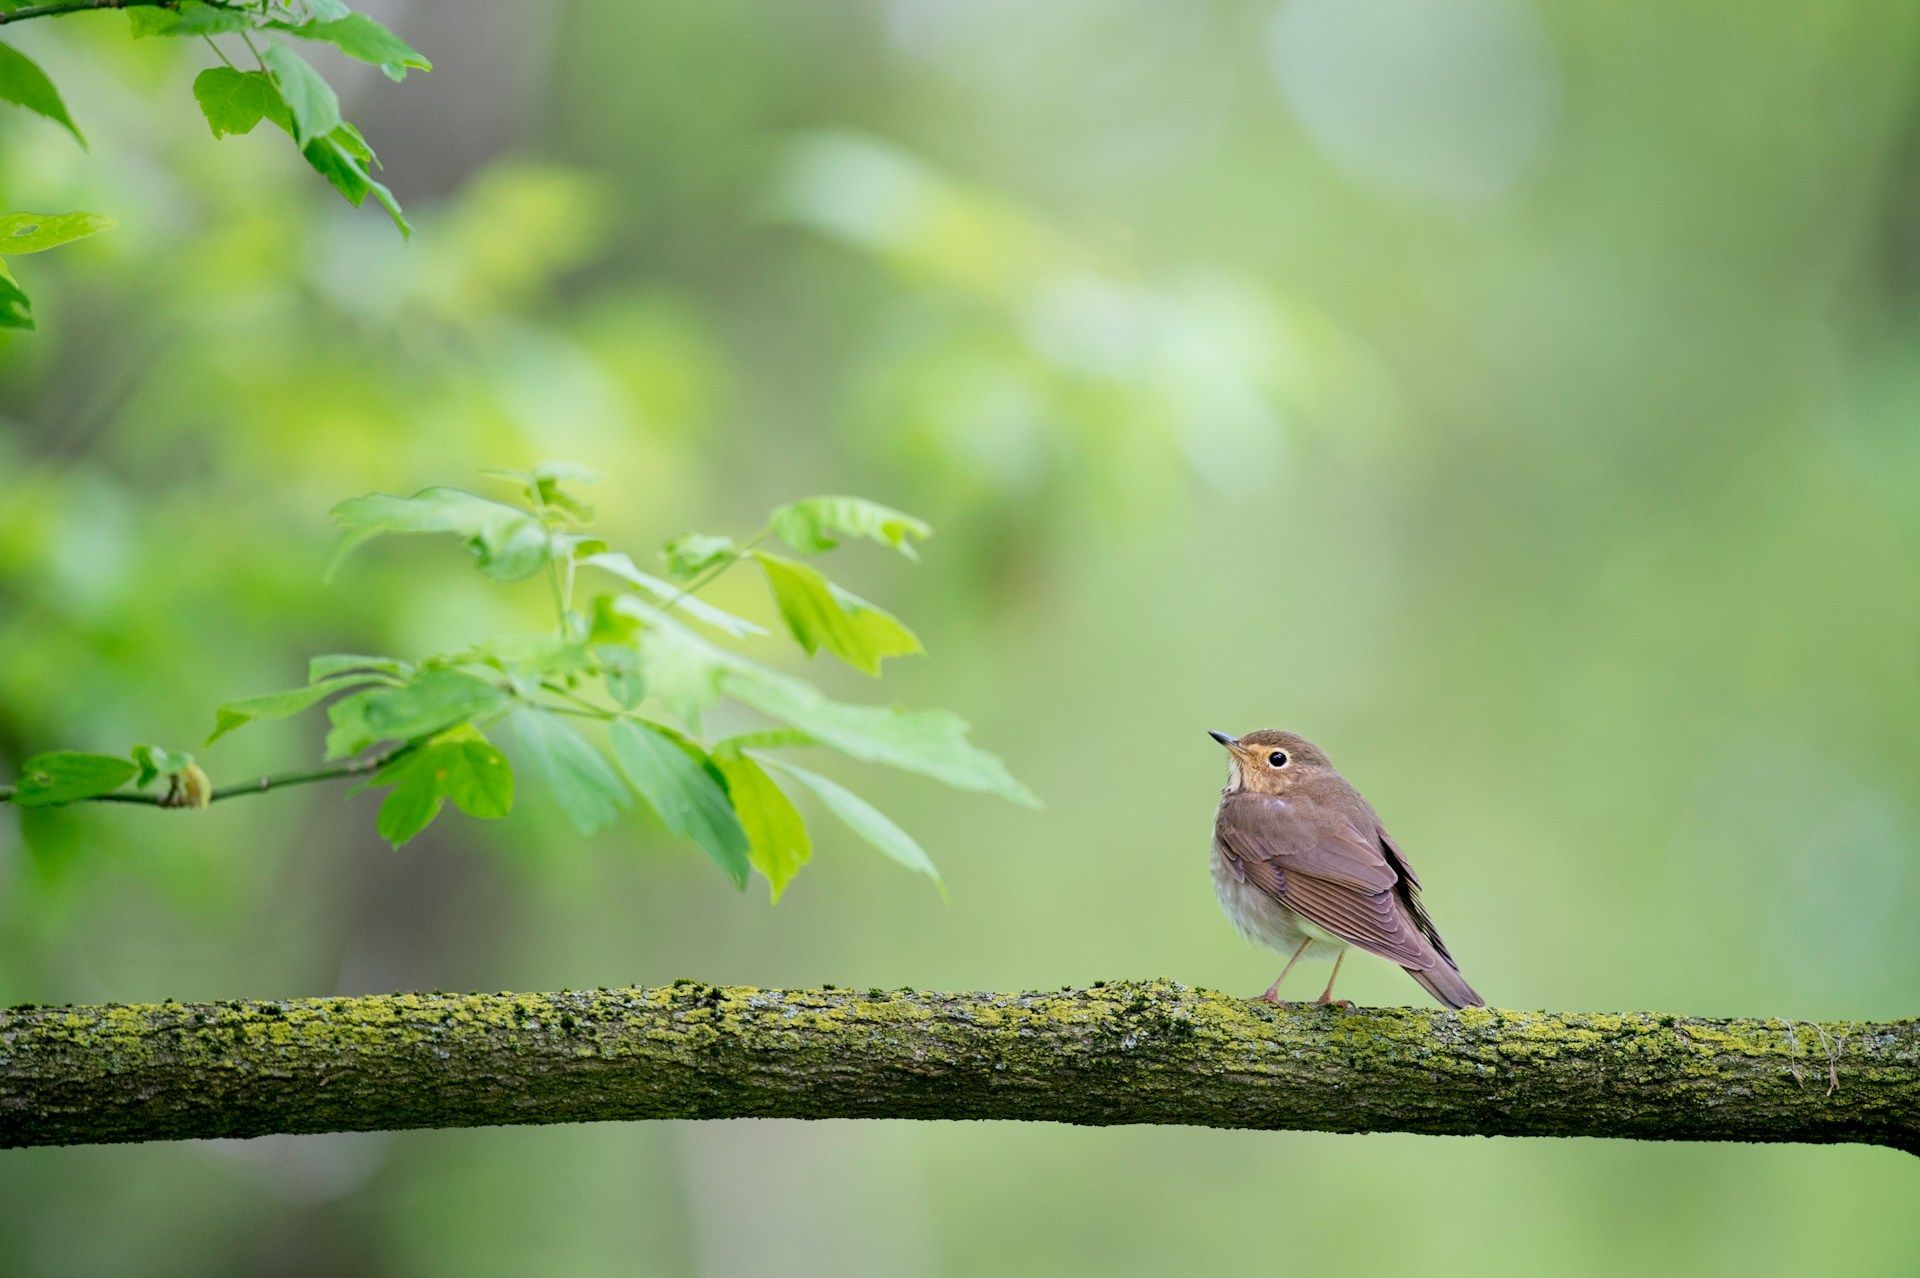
597,712
703,579
219,52
562,589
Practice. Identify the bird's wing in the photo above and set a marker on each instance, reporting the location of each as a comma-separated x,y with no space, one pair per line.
1314,858
1409,893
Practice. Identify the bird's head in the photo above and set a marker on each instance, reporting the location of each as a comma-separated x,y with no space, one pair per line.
1271,762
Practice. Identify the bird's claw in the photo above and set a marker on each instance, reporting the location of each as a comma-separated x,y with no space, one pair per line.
1344,1004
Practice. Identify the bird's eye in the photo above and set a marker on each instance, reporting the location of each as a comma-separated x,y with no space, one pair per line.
1278,759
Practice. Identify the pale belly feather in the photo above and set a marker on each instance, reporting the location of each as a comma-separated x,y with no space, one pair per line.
1265,921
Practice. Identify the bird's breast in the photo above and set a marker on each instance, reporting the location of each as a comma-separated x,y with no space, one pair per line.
1261,918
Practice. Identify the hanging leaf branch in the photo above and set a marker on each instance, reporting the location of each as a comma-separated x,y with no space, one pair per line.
606,708
262,76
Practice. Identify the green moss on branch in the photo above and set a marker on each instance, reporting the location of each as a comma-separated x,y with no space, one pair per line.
1149,1052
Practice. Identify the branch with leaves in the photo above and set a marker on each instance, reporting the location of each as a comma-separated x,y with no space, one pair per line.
278,85
636,660
1126,1052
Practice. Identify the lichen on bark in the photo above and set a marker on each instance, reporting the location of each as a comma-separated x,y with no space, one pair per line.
1120,1052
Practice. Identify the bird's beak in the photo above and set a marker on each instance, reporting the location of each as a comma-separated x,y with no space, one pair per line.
1224,739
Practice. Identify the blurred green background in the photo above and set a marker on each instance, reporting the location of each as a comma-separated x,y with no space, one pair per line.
1520,401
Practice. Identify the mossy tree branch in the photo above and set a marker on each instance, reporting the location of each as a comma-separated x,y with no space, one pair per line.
1153,1052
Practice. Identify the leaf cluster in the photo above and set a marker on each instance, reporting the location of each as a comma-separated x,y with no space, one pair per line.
607,708
281,87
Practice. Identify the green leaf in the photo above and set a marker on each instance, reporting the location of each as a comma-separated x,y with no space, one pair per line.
464,767
153,762
191,18
24,83
681,668
432,703
544,486
585,785
409,807
620,672
509,543
310,100
342,158
678,782
359,36
16,309
692,554
279,705
621,565
37,232
863,819
817,523
336,663
777,842
932,743
235,101
65,776
822,615
474,775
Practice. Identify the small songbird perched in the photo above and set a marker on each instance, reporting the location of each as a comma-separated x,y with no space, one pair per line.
1301,861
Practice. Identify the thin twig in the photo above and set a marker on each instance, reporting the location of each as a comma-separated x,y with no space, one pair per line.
260,785
56,7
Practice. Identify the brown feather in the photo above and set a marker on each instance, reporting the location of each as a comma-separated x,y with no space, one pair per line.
1319,848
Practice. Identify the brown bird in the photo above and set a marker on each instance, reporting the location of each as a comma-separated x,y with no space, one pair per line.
1301,862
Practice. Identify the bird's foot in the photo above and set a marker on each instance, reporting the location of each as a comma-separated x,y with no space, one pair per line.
1273,997
1344,1004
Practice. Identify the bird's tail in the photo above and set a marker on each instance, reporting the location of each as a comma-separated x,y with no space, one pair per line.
1445,983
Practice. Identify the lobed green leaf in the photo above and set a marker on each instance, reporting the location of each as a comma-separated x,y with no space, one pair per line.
682,786
619,564
822,615
691,554
863,819
336,663
815,524
67,776
358,36
584,784
36,232
234,101
930,742
342,158
311,101
23,83
508,542
432,703
463,767
777,842
16,308
188,18
279,705
152,762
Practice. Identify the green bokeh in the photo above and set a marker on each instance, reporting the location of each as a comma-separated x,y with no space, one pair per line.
1519,402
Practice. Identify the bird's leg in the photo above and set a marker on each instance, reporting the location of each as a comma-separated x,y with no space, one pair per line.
1326,995
1273,991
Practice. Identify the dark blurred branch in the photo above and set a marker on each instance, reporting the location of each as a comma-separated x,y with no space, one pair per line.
81,6
1152,1052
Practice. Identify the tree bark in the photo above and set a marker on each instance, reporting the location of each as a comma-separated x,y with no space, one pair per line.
1126,1052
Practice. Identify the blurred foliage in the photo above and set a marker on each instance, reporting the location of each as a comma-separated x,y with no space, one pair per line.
419,727
1516,400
